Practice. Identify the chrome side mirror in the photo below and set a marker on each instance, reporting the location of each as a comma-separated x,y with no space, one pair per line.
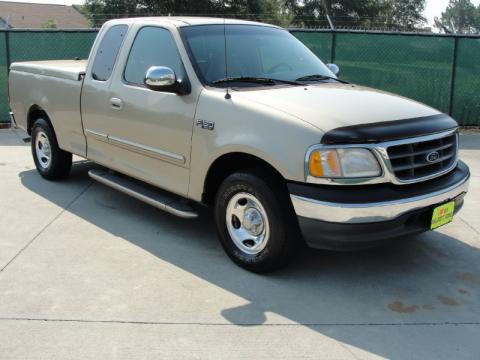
334,69
160,78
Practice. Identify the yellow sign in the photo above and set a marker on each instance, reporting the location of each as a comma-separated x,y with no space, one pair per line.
442,215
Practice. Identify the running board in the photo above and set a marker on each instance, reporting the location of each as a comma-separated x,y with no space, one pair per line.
144,192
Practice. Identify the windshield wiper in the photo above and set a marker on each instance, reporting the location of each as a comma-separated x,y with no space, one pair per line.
317,77
255,80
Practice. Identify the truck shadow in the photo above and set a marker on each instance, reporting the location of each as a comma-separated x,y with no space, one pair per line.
13,137
433,279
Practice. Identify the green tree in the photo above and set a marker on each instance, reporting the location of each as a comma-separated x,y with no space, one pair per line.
175,7
98,11
271,11
401,14
404,14
349,13
49,24
461,16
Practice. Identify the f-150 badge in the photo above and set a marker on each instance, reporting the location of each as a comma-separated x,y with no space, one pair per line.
204,124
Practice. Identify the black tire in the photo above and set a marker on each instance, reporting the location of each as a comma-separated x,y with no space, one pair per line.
284,235
58,164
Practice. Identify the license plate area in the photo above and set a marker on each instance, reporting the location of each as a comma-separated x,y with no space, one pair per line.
442,215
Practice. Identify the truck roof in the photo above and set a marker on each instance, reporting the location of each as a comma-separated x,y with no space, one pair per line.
183,21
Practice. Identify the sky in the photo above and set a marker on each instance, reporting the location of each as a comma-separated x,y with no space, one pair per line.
434,7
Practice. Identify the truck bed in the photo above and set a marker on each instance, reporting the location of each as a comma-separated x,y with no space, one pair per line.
64,69
54,87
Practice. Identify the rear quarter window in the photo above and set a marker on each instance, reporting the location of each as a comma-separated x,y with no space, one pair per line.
108,51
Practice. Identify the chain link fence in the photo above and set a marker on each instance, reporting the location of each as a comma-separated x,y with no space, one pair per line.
442,71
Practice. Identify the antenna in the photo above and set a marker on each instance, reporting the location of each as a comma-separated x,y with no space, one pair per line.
227,95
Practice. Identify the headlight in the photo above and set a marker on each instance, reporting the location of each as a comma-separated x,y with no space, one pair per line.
343,163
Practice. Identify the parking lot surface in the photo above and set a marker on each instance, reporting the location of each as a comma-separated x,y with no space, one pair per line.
87,272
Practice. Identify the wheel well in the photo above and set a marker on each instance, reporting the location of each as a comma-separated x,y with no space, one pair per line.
34,113
230,163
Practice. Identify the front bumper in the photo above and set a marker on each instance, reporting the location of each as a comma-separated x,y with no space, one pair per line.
337,217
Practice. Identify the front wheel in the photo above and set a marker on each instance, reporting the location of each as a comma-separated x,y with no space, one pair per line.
255,221
52,162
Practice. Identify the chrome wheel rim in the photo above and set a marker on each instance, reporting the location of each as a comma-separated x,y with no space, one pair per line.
247,223
43,149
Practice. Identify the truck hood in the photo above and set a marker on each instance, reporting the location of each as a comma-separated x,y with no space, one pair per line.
331,105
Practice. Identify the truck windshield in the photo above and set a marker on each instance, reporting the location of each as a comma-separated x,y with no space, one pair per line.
253,52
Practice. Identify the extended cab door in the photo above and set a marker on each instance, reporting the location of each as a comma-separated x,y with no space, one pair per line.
148,132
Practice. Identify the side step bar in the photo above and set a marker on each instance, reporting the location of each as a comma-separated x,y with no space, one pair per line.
144,192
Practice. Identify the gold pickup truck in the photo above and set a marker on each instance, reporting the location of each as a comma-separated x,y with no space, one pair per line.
242,117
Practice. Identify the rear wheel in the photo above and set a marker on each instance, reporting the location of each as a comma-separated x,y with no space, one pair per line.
52,162
255,221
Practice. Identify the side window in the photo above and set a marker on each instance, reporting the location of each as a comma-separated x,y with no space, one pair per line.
153,46
107,52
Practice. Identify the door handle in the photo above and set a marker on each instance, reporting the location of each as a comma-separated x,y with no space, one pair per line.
116,103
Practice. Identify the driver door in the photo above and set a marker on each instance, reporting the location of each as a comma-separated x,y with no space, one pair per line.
150,131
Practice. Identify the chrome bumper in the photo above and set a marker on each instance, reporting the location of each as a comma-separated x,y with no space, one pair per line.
373,212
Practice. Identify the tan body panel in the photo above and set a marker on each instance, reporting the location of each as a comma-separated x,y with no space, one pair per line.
59,97
332,105
242,126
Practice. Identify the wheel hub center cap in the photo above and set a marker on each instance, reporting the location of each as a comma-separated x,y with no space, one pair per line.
253,222
46,149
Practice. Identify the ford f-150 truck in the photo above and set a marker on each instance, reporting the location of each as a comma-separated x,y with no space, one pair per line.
242,117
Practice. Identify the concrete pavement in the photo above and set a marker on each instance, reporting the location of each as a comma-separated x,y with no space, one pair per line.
87,272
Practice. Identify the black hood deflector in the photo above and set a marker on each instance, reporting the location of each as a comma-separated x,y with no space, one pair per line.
389,130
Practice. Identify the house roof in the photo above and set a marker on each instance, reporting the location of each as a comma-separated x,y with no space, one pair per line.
29,15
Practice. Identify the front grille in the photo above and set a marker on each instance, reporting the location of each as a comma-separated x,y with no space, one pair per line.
410,162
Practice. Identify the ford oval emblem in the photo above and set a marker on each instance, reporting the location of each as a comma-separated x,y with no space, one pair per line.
433,157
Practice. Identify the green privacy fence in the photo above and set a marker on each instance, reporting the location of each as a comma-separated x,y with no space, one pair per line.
27,45
439,70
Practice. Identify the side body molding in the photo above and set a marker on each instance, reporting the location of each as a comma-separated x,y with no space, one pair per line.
138,148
